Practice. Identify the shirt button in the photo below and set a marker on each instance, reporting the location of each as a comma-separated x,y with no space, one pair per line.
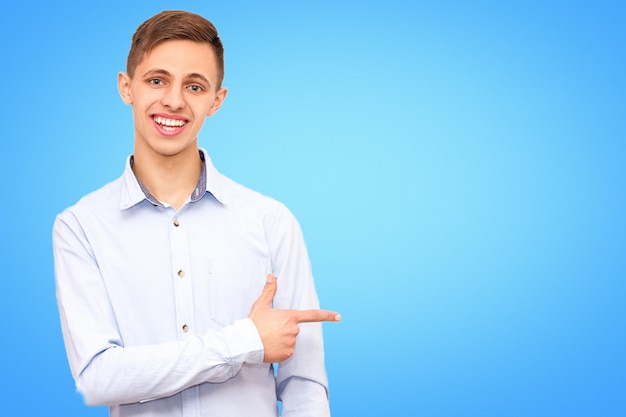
176,223
181,273
185,328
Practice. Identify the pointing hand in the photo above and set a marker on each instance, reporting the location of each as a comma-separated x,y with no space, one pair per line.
278,328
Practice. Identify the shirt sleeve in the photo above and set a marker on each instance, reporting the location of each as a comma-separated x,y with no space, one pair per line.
106,372
302,384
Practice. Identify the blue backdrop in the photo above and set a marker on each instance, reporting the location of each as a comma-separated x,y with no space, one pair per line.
458,169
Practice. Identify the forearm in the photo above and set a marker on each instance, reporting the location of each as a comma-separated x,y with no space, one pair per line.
122,375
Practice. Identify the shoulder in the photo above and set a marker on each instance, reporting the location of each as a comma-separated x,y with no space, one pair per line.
96,202
238,195
235,193
254,205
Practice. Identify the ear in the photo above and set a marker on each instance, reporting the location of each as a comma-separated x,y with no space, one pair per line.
217,103
123,86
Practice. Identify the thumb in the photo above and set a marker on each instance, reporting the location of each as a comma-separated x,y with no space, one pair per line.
269,291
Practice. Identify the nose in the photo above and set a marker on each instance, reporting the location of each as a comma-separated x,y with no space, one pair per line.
173,98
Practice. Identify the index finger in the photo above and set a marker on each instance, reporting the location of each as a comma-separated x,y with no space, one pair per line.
314,316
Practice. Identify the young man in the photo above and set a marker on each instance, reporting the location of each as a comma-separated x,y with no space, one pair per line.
167,277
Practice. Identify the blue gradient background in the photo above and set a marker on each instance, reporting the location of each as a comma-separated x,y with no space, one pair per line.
458,169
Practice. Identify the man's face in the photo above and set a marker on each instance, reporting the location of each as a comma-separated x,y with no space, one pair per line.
172,90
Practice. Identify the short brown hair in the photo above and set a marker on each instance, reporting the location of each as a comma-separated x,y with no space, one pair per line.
174,25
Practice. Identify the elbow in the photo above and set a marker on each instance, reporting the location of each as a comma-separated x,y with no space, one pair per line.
93,395
99,386
90,397
98,389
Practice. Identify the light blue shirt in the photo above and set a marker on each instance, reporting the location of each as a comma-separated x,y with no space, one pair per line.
154,302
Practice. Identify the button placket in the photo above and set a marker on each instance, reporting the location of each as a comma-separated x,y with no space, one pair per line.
180,273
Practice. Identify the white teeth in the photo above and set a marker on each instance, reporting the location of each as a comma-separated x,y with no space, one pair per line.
169,122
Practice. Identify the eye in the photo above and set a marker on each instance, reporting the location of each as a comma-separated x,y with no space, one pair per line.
155,81
195,88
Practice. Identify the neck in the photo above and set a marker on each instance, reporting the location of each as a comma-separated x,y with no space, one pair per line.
169,178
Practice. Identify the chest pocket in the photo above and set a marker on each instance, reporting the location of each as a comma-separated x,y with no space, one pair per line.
235,283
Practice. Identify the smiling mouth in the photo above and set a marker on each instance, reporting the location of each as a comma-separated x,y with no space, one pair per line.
169,125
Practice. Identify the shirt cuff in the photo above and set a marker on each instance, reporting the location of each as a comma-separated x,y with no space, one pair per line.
244,342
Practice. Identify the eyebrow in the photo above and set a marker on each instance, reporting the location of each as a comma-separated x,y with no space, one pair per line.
197,76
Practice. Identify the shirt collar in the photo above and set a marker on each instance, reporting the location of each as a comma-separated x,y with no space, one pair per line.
134,192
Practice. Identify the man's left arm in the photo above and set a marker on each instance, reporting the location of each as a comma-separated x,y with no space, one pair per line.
302,383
